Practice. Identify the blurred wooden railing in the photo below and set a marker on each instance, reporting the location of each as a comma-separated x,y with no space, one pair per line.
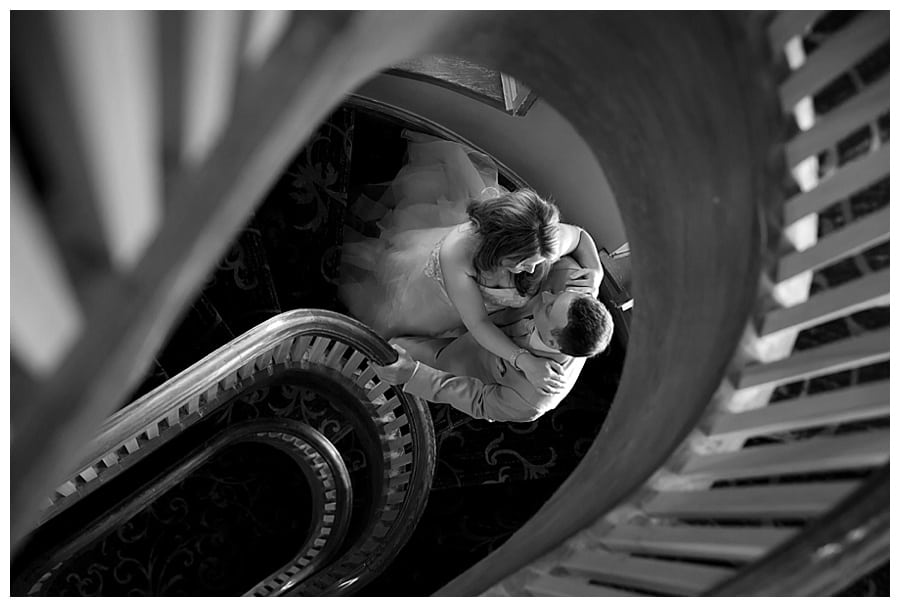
141,144
143,141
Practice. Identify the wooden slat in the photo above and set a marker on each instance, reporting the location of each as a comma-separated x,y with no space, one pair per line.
848,543
336,355
317,351
264,360
829,129
726,543
266,28
173,417
770,501
353,363
857,351
379,389
867,292
838,54
171,48
246,370
45,319
839,406
111,458
647,574
66,489
846,452
282,351
849,179
213,48
863,233
109,68
300,347
388,407
364,377
552,585
787,25
395,424
46,122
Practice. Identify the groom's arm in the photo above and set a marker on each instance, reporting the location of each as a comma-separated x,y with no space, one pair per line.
490,401
493,402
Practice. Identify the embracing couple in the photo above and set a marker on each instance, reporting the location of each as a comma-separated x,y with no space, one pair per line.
490,301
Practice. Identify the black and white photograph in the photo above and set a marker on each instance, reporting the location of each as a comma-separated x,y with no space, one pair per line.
504,301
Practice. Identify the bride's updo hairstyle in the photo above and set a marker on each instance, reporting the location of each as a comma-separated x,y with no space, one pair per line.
516,226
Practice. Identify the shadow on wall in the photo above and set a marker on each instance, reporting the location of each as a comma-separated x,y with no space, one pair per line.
541,147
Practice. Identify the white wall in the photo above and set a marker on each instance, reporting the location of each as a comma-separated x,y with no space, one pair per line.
542,147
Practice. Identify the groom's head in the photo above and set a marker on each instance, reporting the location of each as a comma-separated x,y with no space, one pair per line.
573,323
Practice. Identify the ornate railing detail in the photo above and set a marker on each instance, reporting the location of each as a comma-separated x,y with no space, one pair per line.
300,346
317,459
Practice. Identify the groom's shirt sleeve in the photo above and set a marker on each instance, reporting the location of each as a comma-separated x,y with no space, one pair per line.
493,402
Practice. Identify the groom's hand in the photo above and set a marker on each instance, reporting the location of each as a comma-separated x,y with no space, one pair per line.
400,372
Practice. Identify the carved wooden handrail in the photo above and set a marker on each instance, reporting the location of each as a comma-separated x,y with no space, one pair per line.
319,462
243,356
313,348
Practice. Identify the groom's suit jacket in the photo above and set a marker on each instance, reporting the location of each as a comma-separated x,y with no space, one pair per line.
462,373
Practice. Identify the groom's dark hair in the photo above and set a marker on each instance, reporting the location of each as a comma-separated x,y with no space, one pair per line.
589,328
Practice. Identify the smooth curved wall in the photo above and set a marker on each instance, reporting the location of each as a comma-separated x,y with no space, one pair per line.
681,111
542,147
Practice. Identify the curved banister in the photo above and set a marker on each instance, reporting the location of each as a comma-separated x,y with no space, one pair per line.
325,470
229,362
322,350
319,462
225,362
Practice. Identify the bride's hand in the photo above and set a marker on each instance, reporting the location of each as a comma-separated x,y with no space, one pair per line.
545,375
587,280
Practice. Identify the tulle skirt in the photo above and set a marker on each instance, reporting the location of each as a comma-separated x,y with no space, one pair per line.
385,281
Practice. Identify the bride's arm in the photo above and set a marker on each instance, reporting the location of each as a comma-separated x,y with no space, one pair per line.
466,297
577,243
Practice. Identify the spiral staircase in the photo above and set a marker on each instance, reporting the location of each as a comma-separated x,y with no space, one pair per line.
740,456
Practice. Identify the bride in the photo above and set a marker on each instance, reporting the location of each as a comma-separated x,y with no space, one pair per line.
455,247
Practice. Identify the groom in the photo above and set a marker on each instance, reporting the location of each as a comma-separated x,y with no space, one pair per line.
565,323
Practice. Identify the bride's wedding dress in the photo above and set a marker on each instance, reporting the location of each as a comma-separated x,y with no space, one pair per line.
394,283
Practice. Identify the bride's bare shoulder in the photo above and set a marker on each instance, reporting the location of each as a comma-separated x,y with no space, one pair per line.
459,248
